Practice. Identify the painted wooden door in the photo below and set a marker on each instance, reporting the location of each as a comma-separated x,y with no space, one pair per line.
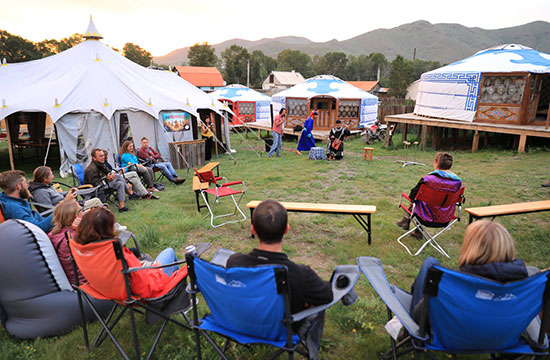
325,109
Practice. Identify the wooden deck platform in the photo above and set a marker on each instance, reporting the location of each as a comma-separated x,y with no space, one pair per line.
411,119
321,135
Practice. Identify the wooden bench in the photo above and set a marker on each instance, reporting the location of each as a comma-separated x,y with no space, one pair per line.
356,210
210,167
507,209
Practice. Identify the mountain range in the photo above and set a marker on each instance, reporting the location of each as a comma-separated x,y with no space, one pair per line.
445,43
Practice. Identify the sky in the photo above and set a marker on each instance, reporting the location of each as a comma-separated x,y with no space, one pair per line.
161,26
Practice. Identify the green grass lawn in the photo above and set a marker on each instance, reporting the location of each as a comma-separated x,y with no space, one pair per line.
322,241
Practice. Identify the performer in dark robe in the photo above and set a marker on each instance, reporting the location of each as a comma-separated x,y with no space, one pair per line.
336,141
307,141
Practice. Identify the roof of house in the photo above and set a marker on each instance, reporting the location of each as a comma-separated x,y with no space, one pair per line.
364,85
288,77
201,75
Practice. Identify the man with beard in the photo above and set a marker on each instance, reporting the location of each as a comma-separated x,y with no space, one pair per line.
14,200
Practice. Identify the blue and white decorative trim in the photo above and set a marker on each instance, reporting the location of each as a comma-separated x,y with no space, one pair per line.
471,79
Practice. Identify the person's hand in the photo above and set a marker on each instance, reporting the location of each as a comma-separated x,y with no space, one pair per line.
110,176
71,194
308,135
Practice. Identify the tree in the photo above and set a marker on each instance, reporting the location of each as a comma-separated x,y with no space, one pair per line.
14,48
261,66
52,46
288,60
332,63
137,54
421,66
401,76
202,55
235,59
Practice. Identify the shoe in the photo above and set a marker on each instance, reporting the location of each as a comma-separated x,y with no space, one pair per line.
546,184
298,152
123,209
417,235
120,228
134,196
151,197
153,189
404,223
178,181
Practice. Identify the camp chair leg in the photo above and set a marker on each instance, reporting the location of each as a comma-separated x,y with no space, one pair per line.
84,328
111,325
157,338
215,346
213,217
134,332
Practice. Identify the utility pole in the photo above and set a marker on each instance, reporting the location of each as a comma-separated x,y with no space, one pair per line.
414,54
248,73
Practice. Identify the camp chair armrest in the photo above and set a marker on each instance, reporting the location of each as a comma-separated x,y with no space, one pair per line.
351,272
86,191
221,257
374,272
49,208
85,186
134,269
405,196
232,183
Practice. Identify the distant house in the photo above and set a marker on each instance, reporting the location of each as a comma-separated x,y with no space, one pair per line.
369,86
205,78
412,90
280,80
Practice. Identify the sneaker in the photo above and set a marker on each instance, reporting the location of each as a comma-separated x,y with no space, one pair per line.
179,181
417,234
123,209
404,223
546,184
151,197
120,228
134,196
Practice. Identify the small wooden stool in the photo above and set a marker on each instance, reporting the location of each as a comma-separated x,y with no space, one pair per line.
367,152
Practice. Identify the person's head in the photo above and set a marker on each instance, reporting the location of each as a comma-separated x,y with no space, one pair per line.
443,161
338,123
127,147
144,142
96,224
43,174
486,242
270,222
98,155
282,111
314,113
14,183
64,214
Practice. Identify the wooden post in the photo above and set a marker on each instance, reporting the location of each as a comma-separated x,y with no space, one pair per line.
10,149
423,137
389,134
547,118
475,141
485,139
404,132
522,141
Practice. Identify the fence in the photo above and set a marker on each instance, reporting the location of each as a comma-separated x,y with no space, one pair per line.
393,106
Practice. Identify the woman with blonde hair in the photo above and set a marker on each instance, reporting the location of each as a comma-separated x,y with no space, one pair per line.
488,250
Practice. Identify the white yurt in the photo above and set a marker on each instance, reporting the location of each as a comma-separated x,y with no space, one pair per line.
332,98
505,84
96,98
247,104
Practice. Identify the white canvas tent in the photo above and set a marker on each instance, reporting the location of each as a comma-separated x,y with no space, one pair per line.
453,91
353,104
248,104
86,89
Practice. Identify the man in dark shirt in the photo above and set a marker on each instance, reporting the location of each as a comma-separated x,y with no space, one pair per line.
269,225
97,172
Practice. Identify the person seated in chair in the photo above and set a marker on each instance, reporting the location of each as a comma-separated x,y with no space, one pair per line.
128,157
99,224
97,172
269,225
42,190
336,137
441,179
145,152
14,198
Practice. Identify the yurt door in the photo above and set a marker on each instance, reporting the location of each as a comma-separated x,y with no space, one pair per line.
325,108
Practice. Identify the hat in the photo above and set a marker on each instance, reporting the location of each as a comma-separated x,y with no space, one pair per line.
92,203
314,113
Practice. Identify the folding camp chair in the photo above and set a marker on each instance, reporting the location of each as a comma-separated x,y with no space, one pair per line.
158,175
103,192
463,313
434,199
220,190
251,305
109,278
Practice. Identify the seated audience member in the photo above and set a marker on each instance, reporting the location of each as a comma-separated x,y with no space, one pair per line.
97,172
441,179
64,216
128,157
42,190
98,224
270,224
488,250
146,152
139,191
14,199
336,141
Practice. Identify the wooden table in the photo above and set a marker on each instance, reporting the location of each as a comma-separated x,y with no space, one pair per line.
341,209
507,209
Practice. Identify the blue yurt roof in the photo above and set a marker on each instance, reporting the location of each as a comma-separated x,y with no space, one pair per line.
237,92
325,85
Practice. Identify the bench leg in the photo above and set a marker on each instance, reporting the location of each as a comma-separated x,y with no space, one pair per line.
251,212
365,224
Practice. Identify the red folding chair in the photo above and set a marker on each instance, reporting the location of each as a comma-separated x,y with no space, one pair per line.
221,190
434,199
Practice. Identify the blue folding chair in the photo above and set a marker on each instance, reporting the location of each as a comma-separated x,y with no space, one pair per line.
462,313
88,191
251,305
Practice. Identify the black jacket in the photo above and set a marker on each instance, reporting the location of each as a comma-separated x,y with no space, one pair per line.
499,271
95,172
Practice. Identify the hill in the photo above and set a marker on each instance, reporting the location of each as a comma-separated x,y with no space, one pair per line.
438,42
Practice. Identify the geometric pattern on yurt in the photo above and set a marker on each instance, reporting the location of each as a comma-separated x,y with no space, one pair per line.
471,79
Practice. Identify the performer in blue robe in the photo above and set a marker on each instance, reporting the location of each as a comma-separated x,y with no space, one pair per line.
306,138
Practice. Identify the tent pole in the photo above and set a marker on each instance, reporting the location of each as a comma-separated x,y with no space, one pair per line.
48,148
10,149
